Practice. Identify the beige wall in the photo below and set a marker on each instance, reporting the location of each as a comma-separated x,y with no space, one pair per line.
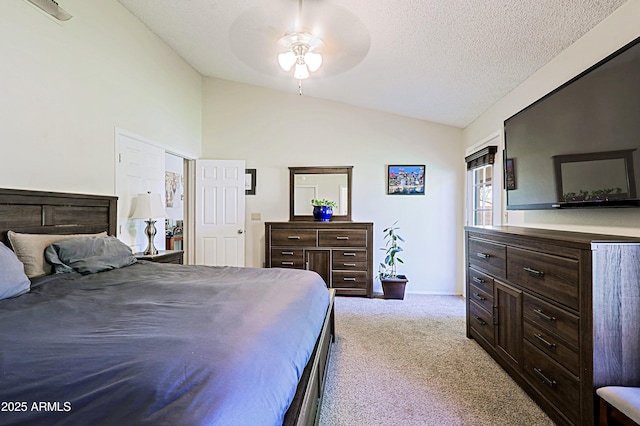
274,130
67,86
614,32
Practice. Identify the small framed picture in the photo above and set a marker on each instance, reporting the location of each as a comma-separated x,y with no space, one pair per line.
406,180
509,174
250,181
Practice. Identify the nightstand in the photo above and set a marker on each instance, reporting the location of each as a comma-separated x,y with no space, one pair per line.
163,256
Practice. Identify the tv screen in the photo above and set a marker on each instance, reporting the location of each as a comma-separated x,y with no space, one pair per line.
578,145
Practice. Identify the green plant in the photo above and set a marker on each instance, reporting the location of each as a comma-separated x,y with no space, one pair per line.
596,194
387,269
324,202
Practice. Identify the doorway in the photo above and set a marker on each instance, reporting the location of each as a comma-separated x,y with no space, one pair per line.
174,181
142,165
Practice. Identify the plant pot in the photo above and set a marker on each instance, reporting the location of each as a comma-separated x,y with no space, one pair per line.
322,213
393,288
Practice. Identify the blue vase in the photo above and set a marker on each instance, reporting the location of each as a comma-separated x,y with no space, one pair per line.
322,213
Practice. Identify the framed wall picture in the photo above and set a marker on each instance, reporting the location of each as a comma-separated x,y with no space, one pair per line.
406,180
509,174
173,189
250,181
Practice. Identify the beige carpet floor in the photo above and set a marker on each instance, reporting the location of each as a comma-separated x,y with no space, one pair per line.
409,362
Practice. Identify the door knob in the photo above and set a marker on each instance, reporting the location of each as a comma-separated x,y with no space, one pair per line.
240,231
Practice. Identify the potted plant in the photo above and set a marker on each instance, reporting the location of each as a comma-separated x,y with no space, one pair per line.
393,285
323,209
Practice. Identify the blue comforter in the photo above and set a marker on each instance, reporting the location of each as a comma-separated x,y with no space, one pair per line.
159,344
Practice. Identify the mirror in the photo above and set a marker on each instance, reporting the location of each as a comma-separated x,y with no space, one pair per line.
308,183
595,176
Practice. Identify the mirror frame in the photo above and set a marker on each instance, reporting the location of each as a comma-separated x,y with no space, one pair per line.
624,154
293,171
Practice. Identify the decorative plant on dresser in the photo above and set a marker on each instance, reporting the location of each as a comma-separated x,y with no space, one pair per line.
323,210
393,285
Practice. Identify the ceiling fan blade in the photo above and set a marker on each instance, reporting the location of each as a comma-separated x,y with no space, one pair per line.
52,8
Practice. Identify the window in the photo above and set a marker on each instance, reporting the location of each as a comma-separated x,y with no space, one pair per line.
482,207
482,204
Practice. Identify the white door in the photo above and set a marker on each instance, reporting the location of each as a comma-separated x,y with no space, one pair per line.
139,168
219,212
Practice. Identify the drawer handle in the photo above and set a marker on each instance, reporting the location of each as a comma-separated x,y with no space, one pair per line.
294,237
478,297
349,254
534,272
342,238
477,280
545,341
287,253
543,315
348,279
353,265
547,381
480,321
287,263
483,255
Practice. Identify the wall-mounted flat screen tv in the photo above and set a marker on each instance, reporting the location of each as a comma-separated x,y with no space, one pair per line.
579,146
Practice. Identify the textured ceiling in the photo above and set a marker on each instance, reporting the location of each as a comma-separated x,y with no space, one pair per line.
444,61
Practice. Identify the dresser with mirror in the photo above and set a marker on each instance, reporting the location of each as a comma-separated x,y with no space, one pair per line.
340,250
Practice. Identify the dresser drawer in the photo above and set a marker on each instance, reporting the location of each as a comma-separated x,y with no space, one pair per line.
287,258
293,237
550,344
553,381
482,322
487,256
552,276
342,238
349,279
481,297
349,259
482,281
552,318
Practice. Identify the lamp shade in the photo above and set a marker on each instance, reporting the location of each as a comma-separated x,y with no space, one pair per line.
148,206
286,60
301,72
313,61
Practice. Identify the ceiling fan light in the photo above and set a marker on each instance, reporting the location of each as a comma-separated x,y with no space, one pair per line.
286,60
313,61
301,72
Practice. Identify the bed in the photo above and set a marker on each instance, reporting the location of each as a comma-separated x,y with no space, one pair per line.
153,343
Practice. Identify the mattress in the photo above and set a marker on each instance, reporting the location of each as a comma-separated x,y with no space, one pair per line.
159,344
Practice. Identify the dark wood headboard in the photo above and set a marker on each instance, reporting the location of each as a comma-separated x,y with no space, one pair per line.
39,212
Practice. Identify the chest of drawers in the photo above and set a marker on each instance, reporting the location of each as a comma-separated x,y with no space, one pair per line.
341,252
559,315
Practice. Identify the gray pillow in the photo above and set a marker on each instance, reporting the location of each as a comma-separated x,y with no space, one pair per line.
30,250
13,280
89,255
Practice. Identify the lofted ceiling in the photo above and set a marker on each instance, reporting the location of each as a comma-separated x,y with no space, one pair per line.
444,61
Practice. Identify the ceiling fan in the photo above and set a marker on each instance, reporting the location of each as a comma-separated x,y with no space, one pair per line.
300,50
273,38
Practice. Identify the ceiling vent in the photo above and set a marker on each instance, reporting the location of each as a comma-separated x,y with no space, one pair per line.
52,8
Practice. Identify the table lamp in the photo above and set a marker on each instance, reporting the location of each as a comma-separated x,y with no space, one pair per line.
149,206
